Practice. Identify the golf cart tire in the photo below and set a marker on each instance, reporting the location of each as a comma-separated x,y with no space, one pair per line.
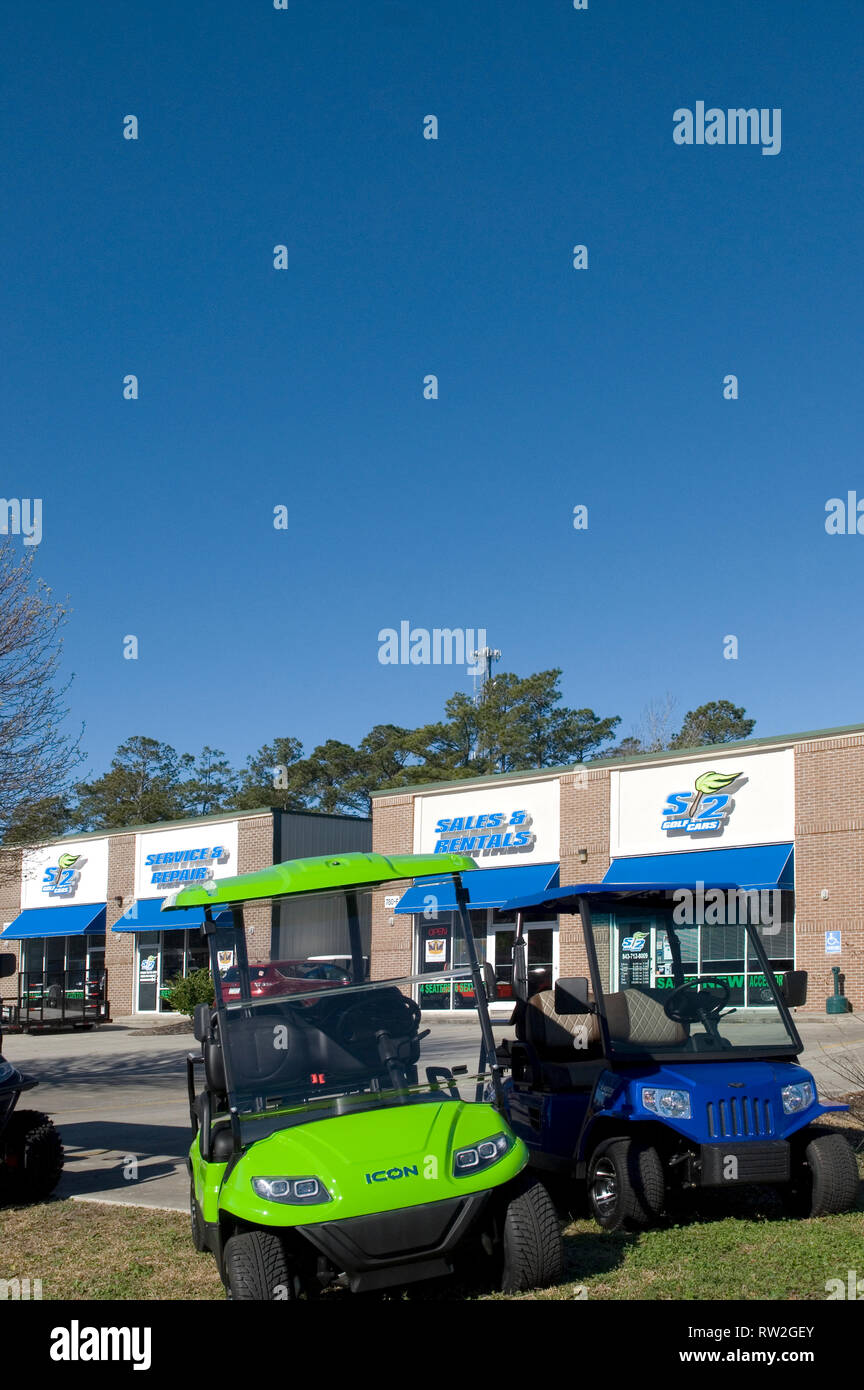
195,1222
532,1248
635,1174
256,1269
33,1155
828,1180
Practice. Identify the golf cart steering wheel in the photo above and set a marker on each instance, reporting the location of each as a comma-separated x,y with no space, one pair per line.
395,1015
689,1003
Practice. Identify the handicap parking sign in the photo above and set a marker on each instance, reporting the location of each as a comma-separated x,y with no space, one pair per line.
832,943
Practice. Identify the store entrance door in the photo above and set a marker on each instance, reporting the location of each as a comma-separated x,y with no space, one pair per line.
541,943
147,972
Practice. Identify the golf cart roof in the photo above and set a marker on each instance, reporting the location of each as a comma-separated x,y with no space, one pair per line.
318,874
603,894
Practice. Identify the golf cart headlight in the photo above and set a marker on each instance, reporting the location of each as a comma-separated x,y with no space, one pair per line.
797,1097
672,1105
482,1155
295,1192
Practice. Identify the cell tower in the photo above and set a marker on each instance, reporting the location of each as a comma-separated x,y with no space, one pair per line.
483,659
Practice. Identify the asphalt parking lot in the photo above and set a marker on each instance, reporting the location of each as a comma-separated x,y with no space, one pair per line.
119,1098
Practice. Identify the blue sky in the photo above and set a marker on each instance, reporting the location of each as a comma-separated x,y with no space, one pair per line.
406,257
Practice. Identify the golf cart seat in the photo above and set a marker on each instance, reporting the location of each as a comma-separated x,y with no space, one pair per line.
283,1045
554,1034
555,1052
636,1015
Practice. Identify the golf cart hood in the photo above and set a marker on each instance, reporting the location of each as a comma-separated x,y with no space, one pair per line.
714,1088
381,1159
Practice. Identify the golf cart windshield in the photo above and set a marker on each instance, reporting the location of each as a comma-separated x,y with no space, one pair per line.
309,1036
675,989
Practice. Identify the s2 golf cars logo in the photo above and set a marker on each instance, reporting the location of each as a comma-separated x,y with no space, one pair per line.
61,879
703,809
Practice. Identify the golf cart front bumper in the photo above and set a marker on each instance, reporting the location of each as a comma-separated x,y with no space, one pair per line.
397,1247
724,1165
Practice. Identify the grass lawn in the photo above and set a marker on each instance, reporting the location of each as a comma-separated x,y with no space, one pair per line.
86,1250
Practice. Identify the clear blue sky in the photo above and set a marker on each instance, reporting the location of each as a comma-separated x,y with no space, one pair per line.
408,257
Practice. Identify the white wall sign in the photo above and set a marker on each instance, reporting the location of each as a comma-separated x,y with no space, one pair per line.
512,823
167,860
715,802
74,871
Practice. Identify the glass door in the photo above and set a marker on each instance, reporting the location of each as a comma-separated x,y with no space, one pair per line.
147,972
541,943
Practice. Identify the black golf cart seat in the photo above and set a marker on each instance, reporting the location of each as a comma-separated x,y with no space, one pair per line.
330,1041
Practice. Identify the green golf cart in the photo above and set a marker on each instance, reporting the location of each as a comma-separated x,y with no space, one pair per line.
324,1152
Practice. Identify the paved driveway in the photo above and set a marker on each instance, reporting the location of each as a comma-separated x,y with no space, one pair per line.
120,1103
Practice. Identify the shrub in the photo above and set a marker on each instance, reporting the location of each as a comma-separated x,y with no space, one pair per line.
185,991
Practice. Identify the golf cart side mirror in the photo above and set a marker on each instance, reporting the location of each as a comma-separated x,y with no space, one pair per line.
571,996
794,988
201,1022
8,962
490,980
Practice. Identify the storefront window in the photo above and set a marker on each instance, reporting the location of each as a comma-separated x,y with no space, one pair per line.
643,953
62,972
494,941
435,944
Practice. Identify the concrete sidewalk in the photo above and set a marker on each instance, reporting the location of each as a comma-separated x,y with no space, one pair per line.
833,1048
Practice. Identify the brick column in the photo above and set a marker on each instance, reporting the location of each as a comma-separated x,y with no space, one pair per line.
255,851
120,946
584,826
392,833
829,854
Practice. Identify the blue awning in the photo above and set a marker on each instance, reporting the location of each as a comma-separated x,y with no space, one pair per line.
75,919
146,914
485,887
754,867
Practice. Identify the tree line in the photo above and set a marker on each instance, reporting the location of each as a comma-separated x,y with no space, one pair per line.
520,723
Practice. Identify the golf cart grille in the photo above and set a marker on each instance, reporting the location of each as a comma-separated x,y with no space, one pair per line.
740,1117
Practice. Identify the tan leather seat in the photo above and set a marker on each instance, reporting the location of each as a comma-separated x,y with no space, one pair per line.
635,1016
552,1033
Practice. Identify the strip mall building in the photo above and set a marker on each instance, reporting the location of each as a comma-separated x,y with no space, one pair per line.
789,816
86,909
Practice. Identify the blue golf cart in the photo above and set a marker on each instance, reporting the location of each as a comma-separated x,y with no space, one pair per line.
665,1073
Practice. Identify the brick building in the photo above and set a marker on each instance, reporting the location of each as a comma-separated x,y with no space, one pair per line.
790,806
88,906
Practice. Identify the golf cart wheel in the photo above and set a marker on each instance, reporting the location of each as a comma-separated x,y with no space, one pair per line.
827,1178
33,1157
256,1269
196,1224
532,1247
626,1188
